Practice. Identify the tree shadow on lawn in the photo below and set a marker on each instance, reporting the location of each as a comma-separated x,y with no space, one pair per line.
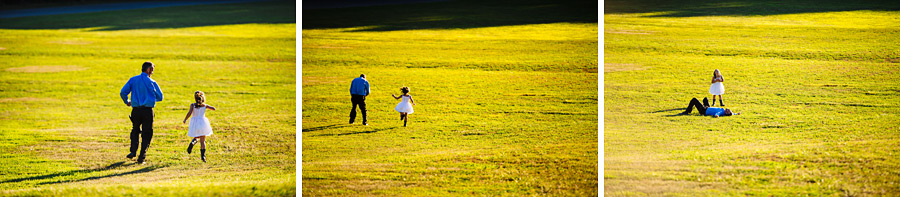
270,12
73,172
691,8
453,15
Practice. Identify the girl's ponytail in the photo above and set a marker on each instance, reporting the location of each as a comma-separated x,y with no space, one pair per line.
199,98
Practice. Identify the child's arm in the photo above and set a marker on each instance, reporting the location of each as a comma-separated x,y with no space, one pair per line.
411,100
189,113
395,97
211,107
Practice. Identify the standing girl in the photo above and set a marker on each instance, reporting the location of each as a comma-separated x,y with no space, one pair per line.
405,106
717,88
199,127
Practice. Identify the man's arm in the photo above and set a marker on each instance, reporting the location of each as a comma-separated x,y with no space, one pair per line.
367,88
125,91
157,92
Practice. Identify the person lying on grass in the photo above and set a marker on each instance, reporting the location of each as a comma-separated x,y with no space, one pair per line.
704,109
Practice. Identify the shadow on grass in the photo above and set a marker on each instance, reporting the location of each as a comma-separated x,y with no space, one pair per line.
271,12
60,174
678,114
358,132
453,15
691,8
334,126
142,170
668,110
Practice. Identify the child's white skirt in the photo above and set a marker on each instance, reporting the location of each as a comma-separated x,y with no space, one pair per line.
717,88
199,127
404,107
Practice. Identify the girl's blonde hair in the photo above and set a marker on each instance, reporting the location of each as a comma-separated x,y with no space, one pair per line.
404,89
200,98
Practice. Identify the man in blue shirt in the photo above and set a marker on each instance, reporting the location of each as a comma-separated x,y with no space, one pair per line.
144,95
359,89
704,109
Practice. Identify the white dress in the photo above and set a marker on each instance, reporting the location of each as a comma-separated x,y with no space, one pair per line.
199,123
404,105
717,88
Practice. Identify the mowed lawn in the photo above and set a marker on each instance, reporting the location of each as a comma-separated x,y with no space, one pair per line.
64,130
817,83
506,99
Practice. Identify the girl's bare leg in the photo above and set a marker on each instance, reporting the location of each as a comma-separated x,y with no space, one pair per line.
202,142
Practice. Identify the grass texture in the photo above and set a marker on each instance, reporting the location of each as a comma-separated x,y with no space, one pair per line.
64,130
506,96
817,83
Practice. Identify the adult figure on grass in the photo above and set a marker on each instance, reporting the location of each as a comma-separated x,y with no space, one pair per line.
704,109
144,95
359,89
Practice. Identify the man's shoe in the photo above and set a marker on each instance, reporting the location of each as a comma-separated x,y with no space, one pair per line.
351,122
140,160
365,123
130,155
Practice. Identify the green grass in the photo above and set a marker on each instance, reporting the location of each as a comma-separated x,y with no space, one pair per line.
817,83
64,130
504,107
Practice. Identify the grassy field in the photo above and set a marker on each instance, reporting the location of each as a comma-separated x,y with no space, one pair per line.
64,130
817,83
506,96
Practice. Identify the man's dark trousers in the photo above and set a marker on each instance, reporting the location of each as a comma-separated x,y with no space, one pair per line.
701,107
359,100
142,124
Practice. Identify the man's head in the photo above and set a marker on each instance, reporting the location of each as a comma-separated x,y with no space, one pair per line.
728,112
147,68
362,76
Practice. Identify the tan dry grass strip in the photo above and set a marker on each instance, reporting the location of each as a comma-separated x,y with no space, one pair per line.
46,69
615,67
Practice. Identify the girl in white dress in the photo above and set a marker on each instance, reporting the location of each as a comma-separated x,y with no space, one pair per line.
199,127
717,88
405,106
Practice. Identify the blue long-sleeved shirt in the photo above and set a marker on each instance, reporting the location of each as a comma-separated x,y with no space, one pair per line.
144,91
715,111
359,86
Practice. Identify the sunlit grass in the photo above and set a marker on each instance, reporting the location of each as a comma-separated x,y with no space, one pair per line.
501,110
818,92
64,130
